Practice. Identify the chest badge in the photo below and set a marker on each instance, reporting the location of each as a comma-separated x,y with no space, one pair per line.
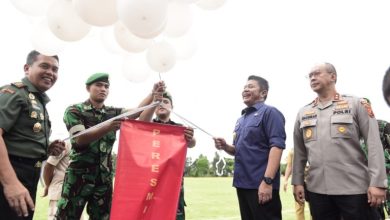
308,133
31,96
34,114
37,127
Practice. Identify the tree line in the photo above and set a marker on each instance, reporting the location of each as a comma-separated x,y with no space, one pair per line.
202,167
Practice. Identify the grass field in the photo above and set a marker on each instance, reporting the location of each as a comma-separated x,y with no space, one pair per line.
207,199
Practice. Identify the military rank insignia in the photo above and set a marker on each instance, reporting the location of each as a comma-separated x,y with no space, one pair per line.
367,106
6,90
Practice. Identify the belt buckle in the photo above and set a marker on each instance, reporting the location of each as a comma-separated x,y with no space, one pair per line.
38,164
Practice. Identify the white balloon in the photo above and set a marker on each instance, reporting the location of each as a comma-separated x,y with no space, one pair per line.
144,18
44,41
210,4
65,23
187,1
129,41
161,57
33,8
179,19
135,68
97,12
185,47
109,42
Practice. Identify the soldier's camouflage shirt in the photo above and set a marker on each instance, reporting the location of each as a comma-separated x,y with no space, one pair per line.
97,155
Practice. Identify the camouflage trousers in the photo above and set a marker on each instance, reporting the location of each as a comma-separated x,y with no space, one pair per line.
180,214
83,186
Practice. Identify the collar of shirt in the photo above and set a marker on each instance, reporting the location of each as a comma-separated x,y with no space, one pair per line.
252,108
88,106
157,120
337,97
31,88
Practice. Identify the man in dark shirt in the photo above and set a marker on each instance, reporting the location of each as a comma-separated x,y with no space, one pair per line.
259,140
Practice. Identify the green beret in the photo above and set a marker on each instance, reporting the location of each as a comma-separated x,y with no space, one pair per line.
168,96
103,77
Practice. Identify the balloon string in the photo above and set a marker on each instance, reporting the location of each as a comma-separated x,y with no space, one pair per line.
221,159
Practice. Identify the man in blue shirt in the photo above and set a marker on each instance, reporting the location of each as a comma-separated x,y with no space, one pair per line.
259,140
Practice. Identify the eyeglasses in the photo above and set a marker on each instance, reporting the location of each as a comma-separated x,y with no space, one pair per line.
313,74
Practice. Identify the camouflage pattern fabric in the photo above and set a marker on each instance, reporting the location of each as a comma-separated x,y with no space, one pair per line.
384,132
89,176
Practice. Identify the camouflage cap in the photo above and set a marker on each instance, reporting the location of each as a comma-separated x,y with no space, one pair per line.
97,77
168,96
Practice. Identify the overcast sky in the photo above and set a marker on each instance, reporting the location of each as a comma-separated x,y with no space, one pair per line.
279,40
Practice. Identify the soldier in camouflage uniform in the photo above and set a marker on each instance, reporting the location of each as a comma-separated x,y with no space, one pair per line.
163,117
89,176
24,135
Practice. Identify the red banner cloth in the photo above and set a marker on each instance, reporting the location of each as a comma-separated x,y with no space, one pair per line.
149,171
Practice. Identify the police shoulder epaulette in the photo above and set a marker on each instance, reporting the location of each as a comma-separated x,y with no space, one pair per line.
18,84
367,105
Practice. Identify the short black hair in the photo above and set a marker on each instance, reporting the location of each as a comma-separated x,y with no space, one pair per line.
263,83
32,57
386,86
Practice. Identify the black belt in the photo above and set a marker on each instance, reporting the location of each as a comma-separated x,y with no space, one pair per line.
36,162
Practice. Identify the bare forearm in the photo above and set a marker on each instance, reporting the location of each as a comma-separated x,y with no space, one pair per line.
7,173
273,162
230,149
149,114
48,173
288,171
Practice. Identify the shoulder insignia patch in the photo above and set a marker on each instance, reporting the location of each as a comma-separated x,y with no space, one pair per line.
18,84
367,106
6,90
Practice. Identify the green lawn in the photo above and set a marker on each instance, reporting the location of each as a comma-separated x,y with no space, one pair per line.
209,198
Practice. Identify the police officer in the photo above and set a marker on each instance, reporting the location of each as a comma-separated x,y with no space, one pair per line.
163,117
341,182
88,178
24,135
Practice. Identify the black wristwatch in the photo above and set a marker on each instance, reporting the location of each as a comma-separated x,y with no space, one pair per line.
268,180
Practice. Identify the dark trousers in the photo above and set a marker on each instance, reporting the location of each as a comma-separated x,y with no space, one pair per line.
28,175
336,207
250,208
